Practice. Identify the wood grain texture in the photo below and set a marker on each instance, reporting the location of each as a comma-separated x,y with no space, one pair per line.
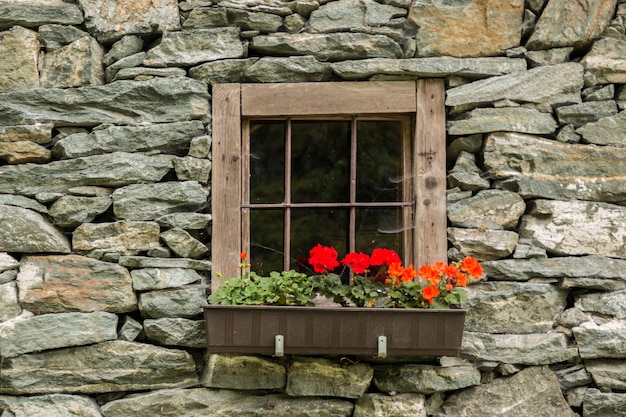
226,182
265,100
430,173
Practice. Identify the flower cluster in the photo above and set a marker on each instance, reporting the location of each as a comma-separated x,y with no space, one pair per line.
381,278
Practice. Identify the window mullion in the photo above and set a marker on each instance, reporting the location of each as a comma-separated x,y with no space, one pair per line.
353,174
287,221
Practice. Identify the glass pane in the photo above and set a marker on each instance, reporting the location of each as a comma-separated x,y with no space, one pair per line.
312,226
379,228
266,241
320,161
267,161
379,161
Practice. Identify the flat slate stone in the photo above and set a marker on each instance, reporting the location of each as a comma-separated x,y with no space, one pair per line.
26,231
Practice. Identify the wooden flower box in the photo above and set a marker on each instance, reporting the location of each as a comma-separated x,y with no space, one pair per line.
381,332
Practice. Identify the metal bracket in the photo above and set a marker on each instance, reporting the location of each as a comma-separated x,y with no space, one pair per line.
382,347
279,345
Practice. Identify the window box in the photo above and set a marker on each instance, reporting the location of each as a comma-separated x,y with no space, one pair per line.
333,330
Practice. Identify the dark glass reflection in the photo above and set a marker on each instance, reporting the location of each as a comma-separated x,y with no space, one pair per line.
267,161
320,161
379,228
266,241
312,226
379,161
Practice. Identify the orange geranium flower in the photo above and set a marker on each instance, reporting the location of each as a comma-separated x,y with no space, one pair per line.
409,273
429,293
429,272
472,267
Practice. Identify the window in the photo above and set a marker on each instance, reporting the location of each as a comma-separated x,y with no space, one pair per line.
353,165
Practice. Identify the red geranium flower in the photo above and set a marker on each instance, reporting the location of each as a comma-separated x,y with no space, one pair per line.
323,258
383,256
358,262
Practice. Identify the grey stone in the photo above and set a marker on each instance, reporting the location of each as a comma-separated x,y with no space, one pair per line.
606,59
243,373
126,46
608,374
109,170
460,28
7,262
502,307
290,69
598,404
201,147
567,134
550,84
428,67
332,47
353,15
207,17
130,329
9,304
193,169
125,237
243,19
20,47
606,340
294,23
160,100
36,133
606,131
522,349
149,201
24,202
610,303
491,209
195,46
466,175
143,73
575,267
55,36
160,278
75,65
113,366
536,167
71,211
8,276
276,7
470,144
572,317
168,138
321,377
176,332
506,119
130,61
204,402
425,379
33,14
599,93
147,262
183,244
187,221
181,302
548,57
599,229
405,404
26,231
109,20
24,152
585,22
587,112
483,244
56,284
572,377
222,71
24,334
541,397
52,405
90,191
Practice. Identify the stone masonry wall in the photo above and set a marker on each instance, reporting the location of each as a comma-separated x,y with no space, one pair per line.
105,167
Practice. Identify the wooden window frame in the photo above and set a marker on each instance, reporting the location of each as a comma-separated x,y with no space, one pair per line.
423,99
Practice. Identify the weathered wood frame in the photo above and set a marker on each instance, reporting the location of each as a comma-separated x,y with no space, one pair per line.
233,102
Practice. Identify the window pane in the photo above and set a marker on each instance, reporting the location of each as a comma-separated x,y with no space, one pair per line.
312,226
320,161
266,241
379,161
379,228
267,161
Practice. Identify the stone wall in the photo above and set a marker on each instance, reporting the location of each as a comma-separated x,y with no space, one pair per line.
105,135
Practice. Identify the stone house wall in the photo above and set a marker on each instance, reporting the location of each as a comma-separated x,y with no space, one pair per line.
105,136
